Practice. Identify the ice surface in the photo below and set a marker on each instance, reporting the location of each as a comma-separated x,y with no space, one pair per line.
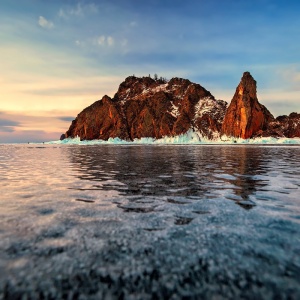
191,137
149,222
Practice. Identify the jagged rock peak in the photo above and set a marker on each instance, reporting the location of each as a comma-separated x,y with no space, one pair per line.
148,107
130,81
248,85
247,77
145,81
245,116
133,86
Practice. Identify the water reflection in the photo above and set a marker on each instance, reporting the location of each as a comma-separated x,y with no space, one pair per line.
112,222
176,175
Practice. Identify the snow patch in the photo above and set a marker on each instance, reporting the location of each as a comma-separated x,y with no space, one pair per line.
161,87
174,110
146,91
205,105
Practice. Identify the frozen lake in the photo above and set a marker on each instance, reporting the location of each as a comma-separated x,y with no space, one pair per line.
149,222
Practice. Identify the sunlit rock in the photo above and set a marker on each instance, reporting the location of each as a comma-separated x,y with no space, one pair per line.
147,107
144,107
245,116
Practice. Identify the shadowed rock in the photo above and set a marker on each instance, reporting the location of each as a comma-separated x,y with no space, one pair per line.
283,126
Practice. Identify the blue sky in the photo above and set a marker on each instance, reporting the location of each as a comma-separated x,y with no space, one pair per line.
59,56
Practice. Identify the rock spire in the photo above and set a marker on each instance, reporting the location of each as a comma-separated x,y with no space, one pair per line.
245,116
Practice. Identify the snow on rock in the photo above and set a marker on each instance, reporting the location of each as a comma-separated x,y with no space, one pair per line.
205,105
174,110
191,137
159,88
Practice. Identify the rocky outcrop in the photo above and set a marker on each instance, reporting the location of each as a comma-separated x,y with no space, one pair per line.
282,126
290,125
102,120
245,116
145,107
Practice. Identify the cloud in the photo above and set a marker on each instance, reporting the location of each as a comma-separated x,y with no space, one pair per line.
34,126
62,14
66,119
15,124
291,75
25,136
64,79
5,122
6,129
7,125
79,10
43,22
110,41
102,40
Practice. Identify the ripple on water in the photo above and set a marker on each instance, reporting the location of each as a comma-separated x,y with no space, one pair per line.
161,218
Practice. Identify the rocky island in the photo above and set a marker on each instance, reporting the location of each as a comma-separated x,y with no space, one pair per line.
147,107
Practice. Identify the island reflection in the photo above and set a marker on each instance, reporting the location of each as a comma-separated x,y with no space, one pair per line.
175,172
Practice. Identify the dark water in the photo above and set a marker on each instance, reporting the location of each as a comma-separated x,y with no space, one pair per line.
149,222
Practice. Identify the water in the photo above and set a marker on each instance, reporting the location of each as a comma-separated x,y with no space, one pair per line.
149,222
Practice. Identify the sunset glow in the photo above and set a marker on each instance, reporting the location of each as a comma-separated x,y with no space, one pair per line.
59,57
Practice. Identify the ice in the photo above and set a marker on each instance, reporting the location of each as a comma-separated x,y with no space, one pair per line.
79,221
190,137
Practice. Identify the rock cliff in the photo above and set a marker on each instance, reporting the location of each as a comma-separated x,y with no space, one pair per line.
282,126
245,116
147,107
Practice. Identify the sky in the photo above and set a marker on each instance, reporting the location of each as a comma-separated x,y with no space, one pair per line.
59,56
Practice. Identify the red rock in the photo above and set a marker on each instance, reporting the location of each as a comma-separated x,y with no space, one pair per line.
101,120
290,125
144,107
283,126
245,116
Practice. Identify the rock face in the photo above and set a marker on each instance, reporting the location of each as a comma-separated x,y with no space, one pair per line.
245,116
290,125
102,120
282,126
144,107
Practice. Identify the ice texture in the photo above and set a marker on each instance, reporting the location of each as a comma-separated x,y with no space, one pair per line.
190,137
138,221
